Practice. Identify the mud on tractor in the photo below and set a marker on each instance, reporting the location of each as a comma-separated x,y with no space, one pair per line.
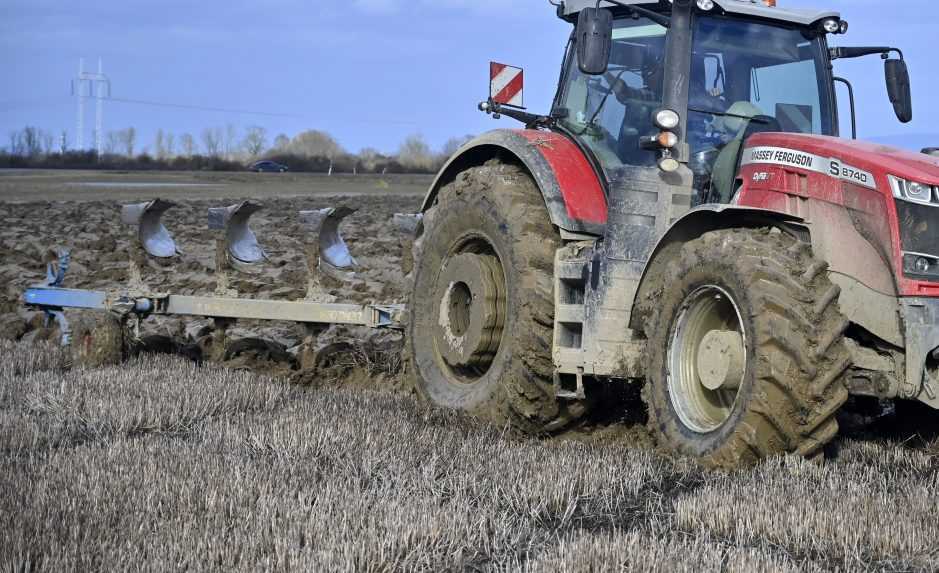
686,219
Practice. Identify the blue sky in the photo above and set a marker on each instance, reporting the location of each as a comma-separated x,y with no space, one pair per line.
370,72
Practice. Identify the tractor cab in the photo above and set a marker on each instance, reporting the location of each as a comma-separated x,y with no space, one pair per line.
691,90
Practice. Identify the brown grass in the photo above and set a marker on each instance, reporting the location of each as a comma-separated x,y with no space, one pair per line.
162,465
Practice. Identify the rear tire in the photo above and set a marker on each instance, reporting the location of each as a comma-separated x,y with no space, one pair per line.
490,222
787,385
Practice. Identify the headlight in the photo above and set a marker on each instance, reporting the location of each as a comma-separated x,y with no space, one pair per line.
913,191
667,119
832,26
920,265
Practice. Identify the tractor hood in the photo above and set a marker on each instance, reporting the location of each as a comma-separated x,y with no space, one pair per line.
879,160
804,16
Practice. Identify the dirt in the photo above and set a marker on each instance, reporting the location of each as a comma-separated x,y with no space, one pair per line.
42,212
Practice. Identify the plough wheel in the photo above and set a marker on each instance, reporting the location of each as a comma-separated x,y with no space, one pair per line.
482,310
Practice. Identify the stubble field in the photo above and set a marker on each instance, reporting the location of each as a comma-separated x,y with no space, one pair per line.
165,464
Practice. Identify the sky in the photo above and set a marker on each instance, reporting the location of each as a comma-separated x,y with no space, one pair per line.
370,72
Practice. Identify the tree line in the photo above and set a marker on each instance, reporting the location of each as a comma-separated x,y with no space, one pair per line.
221,148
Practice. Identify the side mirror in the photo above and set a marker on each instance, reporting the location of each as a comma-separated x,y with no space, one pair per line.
594,37
898,88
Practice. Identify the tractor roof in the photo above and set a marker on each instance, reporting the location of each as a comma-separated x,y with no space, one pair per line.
753,8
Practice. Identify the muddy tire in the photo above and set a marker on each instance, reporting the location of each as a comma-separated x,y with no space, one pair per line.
97,341
747,354
482,305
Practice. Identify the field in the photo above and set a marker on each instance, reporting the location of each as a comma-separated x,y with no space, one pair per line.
163,463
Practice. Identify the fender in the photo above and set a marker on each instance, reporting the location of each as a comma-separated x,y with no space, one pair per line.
572,190
872,308
692,225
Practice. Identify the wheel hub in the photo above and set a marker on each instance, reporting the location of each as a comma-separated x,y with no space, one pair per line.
471,295
707,359
721,359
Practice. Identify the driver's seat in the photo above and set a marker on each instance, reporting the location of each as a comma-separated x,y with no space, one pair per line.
727,164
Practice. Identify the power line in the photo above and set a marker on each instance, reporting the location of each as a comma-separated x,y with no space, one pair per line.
252,112
200,107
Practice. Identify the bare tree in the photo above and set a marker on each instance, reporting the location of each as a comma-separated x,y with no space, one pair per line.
16,143
453,145
188,144
414,153
370,158
212,141
159,147
128,140
255,141
170,145
230,137
313,143
281,142
112,142
31,141
63,142
48,142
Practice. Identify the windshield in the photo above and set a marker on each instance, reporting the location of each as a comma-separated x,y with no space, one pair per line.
609,113
749,77
746,77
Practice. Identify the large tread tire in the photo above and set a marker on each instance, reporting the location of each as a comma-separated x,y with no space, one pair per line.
501,202
793,385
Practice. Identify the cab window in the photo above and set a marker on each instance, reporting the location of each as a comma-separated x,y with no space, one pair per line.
609,113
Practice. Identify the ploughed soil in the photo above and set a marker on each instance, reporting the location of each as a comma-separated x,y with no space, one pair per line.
43,212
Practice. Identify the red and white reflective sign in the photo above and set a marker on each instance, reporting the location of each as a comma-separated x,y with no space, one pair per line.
506,84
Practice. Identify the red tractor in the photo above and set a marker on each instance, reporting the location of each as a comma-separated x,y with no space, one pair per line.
685,218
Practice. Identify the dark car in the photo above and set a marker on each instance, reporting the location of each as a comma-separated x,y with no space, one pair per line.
268,167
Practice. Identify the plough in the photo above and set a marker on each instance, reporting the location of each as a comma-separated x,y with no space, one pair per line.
236,250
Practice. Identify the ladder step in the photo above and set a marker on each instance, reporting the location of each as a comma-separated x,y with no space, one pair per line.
571,270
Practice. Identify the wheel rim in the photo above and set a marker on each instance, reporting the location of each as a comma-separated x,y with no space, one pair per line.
470,297
707,359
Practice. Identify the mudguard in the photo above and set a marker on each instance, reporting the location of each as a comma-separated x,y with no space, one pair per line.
700,220
571,189
874,309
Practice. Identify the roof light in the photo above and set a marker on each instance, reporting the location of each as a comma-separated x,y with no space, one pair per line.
706,5
832,26
770,3
844,26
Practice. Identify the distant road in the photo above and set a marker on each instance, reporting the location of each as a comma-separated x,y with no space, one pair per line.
22,185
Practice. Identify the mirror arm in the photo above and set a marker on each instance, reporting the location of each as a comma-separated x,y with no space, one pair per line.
847,52
660,19
529,119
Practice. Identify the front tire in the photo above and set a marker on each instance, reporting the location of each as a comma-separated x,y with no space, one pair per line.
482,305
747,350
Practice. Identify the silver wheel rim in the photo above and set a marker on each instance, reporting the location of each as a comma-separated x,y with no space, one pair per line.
707,359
